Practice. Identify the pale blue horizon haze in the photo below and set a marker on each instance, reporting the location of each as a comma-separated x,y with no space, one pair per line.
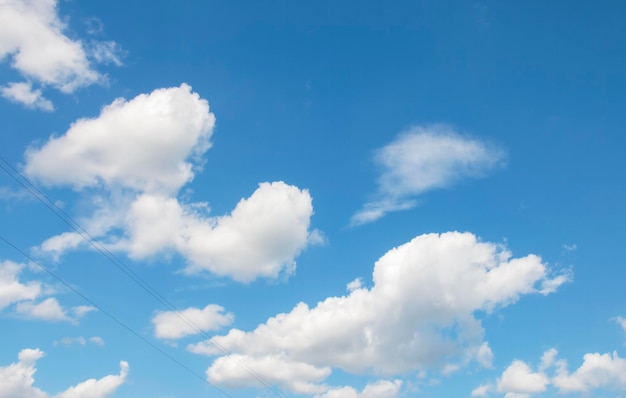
348,199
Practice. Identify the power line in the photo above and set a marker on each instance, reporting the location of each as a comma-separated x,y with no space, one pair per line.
113,317
119,264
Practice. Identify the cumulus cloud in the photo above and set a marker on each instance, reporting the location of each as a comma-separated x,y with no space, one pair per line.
137,155
518,378
175,325
145,144
606,371
239,371
419,313
597,372
32,37
24,94
379,389
23,297
17,379
422,159
11,289
50,310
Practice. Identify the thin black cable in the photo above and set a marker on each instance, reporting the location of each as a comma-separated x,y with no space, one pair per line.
113,317
67,219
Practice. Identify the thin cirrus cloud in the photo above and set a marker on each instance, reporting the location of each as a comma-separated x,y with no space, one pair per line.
17,380
135,157
423,159
32,37
423,292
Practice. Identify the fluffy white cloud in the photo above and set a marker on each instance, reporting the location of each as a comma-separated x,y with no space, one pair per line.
11,289
100,388
24,295
16,380
24,93
144,144
422,159
597,371
379,389
139,154
518,378
419,313
32,37
190,321
50,310
238,371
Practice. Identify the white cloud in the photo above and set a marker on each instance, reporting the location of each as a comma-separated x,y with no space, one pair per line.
100,388
260,237
50,310
174,325
379,389
32,37
422,159
239,371
23,93
11,289
518,378
137,155
145,144
16,380
597,371
419,314
97,340
482,390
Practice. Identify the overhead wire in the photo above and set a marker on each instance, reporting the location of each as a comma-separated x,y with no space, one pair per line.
111,316
32,189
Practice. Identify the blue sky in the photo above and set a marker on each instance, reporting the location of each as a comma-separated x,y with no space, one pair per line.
334,199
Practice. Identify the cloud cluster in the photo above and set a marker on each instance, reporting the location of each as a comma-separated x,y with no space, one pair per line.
136,156
598,371
419,314
422,159
23,297
16,380
32,37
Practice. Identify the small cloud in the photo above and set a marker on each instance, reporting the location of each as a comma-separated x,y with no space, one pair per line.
69,341
97,340
423,159
355,284
570,248
23,93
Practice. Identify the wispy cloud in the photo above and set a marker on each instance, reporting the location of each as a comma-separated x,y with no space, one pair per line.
422,159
